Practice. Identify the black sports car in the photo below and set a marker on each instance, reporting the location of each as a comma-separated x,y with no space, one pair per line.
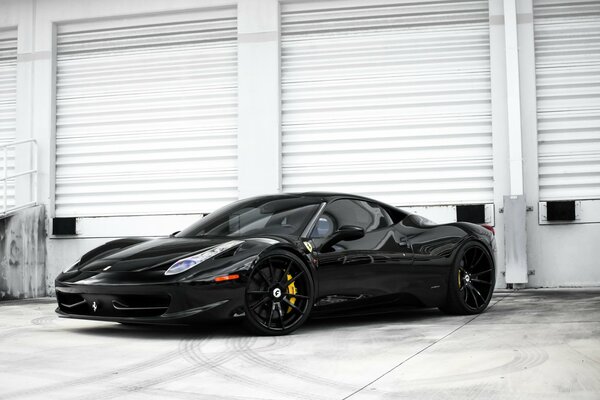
276,260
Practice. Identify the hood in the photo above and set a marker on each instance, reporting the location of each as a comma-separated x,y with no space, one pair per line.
157,253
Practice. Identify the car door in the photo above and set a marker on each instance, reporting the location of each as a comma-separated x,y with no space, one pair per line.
433,247
364,268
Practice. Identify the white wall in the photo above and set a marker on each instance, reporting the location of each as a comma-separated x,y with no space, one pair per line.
560,255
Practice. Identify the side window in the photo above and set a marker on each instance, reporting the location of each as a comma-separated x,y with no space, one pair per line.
381,218
366,215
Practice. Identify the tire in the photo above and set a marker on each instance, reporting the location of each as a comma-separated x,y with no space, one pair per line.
471,282
279,294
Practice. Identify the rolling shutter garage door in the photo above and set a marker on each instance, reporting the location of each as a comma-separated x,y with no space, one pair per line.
146,115
8,108
388,99
567,52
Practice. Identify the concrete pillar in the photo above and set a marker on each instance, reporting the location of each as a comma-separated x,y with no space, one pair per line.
507,137
499,127
513,97
515,204
527,79
259,143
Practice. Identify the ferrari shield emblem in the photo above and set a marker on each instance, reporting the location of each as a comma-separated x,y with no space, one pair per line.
308,246
94,306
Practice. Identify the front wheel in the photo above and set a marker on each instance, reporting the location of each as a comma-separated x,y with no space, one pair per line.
279,295
471,282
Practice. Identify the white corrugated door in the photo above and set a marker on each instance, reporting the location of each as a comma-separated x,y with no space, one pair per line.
146,115
567,52
8,107
389,99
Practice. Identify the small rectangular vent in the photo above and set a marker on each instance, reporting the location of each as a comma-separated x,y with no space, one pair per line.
64,226
474,213
560,210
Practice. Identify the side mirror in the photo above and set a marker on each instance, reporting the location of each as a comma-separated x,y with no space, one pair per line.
346,232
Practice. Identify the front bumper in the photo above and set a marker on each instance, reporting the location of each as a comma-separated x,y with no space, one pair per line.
180,303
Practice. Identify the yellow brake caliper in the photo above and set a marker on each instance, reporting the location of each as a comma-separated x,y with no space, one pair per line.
459,279
291,290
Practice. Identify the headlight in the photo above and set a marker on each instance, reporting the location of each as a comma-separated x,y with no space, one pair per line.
186,263
72,266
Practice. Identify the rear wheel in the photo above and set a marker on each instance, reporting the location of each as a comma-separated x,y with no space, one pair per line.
471,282
279,295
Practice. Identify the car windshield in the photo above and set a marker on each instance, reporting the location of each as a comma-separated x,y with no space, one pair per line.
267,215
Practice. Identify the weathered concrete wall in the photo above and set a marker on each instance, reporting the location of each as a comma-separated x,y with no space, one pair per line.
23,254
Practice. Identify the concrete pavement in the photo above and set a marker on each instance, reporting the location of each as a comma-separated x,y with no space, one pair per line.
530,344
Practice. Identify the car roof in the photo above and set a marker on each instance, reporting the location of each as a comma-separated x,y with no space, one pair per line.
325,196
332,195
329,197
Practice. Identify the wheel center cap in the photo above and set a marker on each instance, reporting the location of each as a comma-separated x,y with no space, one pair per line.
467,278
277,293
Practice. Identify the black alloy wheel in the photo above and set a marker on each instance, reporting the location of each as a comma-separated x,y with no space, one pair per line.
472,281
279,294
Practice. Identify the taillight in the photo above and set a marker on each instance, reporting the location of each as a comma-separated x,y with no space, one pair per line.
489,228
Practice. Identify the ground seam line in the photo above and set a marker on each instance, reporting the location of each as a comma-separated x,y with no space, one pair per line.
419,352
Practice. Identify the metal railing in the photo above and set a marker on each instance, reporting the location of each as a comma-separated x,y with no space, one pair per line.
5,177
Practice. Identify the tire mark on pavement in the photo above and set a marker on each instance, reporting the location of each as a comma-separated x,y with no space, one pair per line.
242,345
189,350
105,376
46,320
255,358
421,351
524,359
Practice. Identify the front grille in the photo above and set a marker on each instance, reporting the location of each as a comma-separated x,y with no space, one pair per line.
141,305
106,305
71,303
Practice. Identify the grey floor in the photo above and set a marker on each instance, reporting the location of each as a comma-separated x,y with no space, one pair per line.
531,344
